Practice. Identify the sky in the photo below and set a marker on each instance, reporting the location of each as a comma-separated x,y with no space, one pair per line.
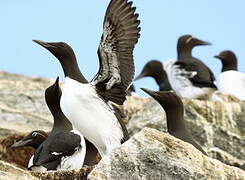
79,23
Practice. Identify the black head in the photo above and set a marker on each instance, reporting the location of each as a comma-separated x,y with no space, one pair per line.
167,99
191,41
173,107
152,69
60,50
187,42
52,97
34,139
64,53
228,59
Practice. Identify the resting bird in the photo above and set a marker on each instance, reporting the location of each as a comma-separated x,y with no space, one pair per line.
231,81
65,147
86,105
33,139
188,76
174,110
154,69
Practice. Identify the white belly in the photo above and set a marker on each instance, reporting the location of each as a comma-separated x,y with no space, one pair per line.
36,168
233,82
179,80
75,161
90,115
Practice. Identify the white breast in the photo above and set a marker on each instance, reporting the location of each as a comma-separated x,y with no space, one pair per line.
75,161
35,168
30,164
90,115
179,80
233,82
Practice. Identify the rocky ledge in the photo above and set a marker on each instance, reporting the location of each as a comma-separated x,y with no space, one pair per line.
150,154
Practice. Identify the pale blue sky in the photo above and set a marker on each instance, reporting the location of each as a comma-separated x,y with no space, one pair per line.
79,23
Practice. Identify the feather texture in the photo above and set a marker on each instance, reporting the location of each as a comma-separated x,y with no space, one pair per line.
120,34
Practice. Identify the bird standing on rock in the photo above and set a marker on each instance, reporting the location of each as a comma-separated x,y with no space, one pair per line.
174,110
65,147
188,76
86,104
231,81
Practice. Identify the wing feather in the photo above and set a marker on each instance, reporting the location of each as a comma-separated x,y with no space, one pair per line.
120,34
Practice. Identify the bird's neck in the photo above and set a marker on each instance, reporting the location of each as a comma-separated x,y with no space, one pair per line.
175,118
184,51
160,77
229,67
61,123
71,69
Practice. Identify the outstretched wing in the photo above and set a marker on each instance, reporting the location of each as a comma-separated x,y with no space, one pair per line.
55,147
120,34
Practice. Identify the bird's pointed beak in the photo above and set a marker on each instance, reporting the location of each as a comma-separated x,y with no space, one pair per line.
203,43
140,76
57,81
217,56
21,143
151,93
43,44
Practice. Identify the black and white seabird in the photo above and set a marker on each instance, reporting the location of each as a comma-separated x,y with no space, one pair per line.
33,139
154,69
174,109
65,147
188,76
86,104
231,81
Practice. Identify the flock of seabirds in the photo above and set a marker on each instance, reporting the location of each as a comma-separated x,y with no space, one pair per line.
86,120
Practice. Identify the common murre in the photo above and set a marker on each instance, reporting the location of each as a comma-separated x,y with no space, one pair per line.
86,104
188,76
174,110
154,69
231,80
65,147
33,139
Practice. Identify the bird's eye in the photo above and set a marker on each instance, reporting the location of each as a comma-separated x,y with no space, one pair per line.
34,134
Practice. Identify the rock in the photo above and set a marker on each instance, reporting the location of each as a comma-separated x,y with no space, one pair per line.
152,154
218,126
10,172
213,124
22,104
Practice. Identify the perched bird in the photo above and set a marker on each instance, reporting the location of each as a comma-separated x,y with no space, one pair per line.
154,69
231,81
65,147
188,76
86,104
174,109
33,139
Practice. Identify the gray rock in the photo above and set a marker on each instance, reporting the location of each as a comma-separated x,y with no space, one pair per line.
152,154
212,124
217,126
22,104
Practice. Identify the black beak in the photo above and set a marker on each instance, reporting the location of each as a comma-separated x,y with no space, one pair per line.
140,76
151,93
43,44
21,143
57,82
202,43
217,56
